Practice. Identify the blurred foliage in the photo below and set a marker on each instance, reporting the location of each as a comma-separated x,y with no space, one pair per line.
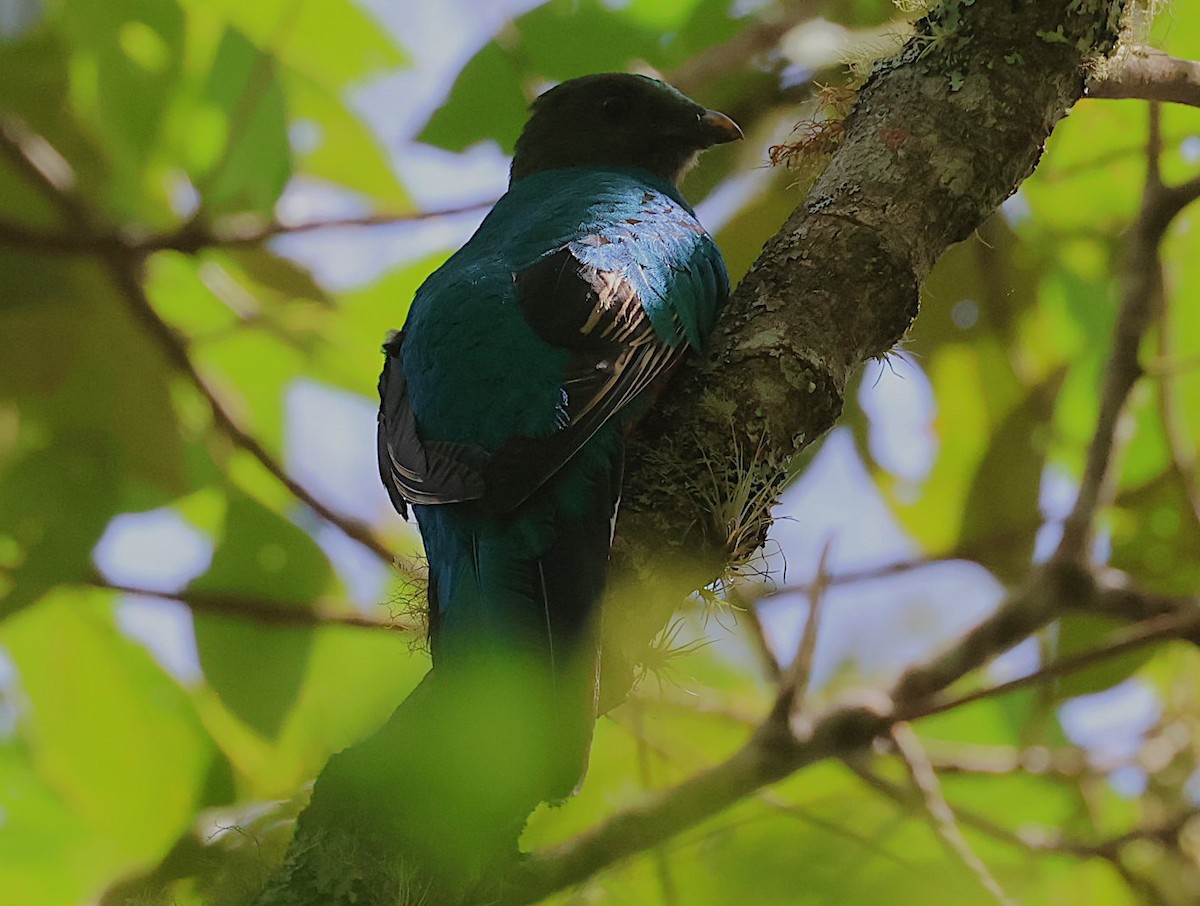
149,147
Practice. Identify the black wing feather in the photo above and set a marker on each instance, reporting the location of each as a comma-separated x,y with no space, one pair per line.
415,471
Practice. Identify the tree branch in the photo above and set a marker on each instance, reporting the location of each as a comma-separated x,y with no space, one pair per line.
794,683
1149,74
1167,626
257,610
786,742
940,135
196,235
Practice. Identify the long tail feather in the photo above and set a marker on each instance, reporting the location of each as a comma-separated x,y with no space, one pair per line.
525,588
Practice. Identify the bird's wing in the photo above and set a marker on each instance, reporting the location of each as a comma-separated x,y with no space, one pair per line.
624,301
413,470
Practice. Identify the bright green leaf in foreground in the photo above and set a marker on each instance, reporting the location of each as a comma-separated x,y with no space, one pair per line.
109,745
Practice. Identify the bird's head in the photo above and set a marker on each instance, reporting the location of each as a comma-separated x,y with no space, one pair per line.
618,120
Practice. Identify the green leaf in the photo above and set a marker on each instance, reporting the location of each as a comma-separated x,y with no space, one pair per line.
345,151
1078,633
963,429
68,351
54,505
994,274
1072,325
257,672
284,279
264,558
1178,31
35,74
708,22
72,348
353,680
333,42
125,51
1156,536
43,857
263,555
245,95
1082,186
114,738
1000,517
488,100
1181,329
974,306
996,721
176,287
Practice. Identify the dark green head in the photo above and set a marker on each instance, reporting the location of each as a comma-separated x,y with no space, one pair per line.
618,120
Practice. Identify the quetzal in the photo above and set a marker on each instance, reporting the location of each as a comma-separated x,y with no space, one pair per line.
505,398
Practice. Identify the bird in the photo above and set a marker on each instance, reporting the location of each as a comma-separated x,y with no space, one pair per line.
506,397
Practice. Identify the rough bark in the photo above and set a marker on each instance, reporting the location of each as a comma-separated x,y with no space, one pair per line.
940,135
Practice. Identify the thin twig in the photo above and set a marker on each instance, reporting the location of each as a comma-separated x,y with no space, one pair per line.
248,232
967,758
1117,596
49,171
1168,626
1173,366
258,610
744,598
969,550
794,686
662,860
924,777
195,235
828,826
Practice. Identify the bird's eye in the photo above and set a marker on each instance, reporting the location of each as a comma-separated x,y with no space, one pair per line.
614,108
